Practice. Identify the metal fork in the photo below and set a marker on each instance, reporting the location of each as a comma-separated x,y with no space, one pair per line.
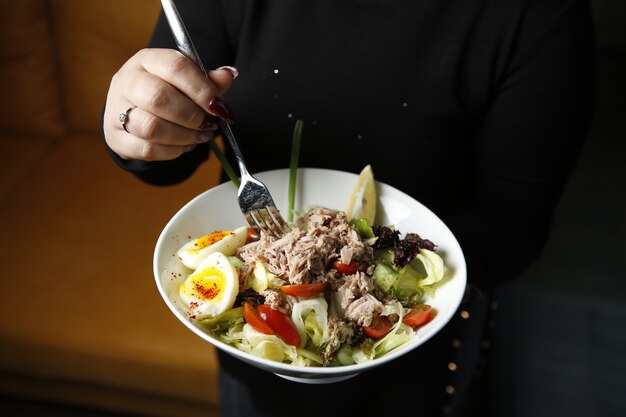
254,198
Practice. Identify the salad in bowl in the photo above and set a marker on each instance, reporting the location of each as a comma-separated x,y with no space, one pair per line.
335,296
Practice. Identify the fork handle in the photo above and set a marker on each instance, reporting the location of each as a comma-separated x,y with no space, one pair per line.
181,36
187,48
225,127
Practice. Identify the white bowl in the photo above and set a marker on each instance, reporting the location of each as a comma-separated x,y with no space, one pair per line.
216,209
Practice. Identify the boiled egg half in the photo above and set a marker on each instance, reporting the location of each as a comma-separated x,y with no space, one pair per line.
212,288
195,251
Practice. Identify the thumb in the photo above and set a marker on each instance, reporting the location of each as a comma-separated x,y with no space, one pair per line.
223,77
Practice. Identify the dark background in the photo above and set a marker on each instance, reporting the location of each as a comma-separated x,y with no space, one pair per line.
560,330
559,334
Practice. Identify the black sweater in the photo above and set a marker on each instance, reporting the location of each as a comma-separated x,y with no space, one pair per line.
477,108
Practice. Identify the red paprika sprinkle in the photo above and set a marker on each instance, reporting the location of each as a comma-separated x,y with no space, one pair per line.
208,293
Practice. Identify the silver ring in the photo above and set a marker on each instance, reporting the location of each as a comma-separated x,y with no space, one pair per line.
123,118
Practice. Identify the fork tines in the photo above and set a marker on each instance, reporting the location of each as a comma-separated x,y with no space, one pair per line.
268,220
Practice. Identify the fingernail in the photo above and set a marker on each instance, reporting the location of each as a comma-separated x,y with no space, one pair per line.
203,136
209,123
233,71
218,107
190,148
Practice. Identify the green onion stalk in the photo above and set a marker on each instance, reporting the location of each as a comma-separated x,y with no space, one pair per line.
293,168
226,166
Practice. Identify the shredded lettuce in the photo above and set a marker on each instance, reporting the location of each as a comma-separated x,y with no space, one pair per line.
397,336
268,346
264,344
269,349
368,350
313,328
310,317
262,279
362,355
408,288
349,355
345,355
433,270
245,338
223,322
409,283
236,262
433,265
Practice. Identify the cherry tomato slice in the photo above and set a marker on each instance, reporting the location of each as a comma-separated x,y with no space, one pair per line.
252,317
420,314
380,327
280,323
304,290
253,235
349,268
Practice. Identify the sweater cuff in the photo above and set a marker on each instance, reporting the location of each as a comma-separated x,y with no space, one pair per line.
163,172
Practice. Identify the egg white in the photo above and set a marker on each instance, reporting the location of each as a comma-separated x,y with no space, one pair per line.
195,251
212,288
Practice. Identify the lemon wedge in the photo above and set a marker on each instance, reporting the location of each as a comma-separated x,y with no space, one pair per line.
362,202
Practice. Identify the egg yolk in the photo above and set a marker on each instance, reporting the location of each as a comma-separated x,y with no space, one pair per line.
209,284
206,241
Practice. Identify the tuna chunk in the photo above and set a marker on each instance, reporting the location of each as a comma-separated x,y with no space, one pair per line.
364,309
277,301
353,287
304,254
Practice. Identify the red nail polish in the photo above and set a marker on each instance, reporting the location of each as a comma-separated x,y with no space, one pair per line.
209,123
218,107
203,136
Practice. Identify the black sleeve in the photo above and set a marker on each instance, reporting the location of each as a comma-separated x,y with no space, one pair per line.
529,142
162,172
207,27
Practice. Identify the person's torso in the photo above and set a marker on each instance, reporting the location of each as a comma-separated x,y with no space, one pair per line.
400,85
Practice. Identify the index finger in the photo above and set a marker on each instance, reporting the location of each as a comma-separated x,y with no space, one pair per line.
179,71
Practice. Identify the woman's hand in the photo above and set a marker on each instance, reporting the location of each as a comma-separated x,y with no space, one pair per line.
170,100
